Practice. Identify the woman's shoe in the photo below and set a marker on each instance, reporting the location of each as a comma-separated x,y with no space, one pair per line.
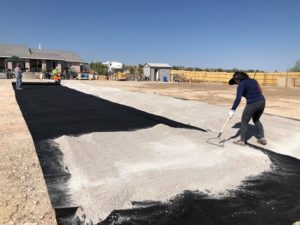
239,142
262,141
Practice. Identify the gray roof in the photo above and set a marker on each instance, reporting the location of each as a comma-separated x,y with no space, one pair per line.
70,56
24,52
43,54
55,55
14,50
159,65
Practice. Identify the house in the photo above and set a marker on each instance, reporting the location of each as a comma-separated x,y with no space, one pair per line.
37,60
157,72
114,67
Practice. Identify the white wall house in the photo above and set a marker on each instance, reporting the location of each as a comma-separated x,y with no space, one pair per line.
157,72
38,60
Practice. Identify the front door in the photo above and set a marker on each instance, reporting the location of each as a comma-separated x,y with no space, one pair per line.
156,75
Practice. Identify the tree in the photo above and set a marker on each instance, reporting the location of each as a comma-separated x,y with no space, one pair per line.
99,68
131,70
198,69
296,68
140,70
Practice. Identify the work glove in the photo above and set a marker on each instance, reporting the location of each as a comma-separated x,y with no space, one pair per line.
231,113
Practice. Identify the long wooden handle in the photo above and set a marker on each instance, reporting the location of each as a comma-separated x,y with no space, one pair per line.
225,124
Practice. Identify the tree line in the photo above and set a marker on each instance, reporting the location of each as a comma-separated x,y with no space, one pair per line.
296,67
214,69
99,68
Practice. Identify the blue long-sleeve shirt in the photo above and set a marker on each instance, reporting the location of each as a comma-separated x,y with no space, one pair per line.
250,89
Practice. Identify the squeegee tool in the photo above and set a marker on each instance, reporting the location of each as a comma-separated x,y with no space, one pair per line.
217,140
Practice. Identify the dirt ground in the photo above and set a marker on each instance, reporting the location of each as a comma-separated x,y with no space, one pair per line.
280,101
23,194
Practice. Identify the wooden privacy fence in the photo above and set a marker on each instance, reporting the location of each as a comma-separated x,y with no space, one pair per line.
269,79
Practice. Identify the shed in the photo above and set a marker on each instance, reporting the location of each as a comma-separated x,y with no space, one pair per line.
157,71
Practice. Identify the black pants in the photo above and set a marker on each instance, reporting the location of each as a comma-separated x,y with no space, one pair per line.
253,110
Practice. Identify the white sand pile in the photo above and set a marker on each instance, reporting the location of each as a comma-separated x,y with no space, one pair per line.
112,169
282,134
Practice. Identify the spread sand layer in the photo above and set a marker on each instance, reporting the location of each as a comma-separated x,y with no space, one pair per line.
112,169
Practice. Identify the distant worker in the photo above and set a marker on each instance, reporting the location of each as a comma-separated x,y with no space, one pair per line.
55,74
250,89
18,75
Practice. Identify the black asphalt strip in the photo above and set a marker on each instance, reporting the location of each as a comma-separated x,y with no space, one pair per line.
52,111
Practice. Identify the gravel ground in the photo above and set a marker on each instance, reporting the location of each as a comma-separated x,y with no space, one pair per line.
23,194
280,101
154,164
136,168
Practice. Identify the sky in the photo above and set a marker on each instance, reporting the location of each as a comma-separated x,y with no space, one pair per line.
243,34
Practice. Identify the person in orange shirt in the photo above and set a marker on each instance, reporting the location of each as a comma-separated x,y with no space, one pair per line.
56,76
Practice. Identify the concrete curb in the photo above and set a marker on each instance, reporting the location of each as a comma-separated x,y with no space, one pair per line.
23,194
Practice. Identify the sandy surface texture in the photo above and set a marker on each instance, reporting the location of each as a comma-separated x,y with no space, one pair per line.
23,194
280,101
110,170
200,114
168,159
122,144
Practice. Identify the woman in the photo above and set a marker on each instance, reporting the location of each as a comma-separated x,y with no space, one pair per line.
250,89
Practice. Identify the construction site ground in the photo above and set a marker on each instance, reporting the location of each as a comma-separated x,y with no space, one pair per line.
23,196
280,101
